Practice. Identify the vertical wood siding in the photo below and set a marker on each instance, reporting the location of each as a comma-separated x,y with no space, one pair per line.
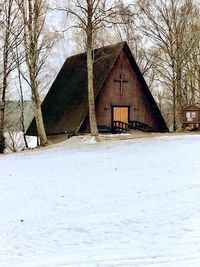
133,96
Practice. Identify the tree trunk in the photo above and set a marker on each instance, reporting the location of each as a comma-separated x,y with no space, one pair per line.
174,100
38,113
31,59
22,119
40,125
174,109
5,75
3,103
2,114
91,99
179,96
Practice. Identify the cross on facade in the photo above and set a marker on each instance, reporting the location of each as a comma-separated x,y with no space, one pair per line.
121,81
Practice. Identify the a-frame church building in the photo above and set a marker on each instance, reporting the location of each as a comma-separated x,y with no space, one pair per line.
122,97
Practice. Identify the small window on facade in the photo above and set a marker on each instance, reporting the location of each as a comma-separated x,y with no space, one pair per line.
193,114
187,114
190,116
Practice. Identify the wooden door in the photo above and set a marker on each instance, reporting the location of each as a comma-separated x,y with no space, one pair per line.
120,114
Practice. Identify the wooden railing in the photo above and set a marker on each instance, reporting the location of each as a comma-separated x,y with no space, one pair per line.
137,125
120,126
103,128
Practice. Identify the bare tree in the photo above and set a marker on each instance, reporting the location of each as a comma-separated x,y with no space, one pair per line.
37,46
165,23
90,16
10,31
191,66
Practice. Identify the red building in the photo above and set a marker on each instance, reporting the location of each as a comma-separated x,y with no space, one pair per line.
191,118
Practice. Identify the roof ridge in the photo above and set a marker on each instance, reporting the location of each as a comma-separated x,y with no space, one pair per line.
97,49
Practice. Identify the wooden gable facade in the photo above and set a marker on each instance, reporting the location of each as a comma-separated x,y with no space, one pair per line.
121,94
123,98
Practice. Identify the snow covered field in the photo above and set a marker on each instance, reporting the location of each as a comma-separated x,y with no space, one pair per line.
114,203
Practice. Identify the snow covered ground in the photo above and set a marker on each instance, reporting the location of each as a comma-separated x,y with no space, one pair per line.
115,203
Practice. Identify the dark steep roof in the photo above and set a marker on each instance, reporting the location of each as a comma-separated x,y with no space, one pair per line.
66,104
